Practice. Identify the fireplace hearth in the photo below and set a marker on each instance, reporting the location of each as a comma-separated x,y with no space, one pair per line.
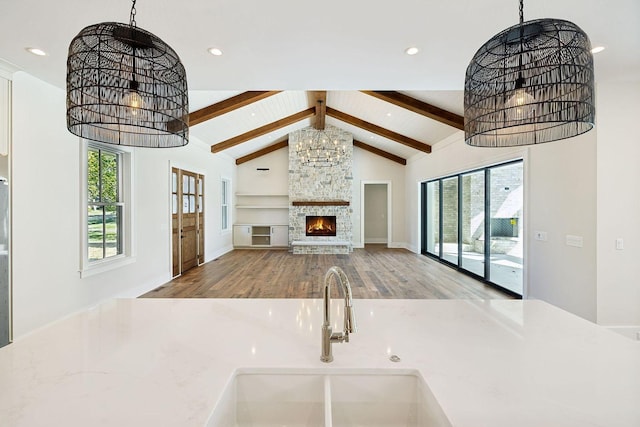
320,225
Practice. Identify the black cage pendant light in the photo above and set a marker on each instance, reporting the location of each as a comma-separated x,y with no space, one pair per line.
529,84
125,86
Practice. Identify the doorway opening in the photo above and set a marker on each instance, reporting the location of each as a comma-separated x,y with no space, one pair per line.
376,212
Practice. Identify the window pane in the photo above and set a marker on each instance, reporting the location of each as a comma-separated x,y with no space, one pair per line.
109,178
192,204
506,226
185,204
200,207
174,203
223,197
473,222
174,182
104,204
185,184
112,219
192,185
225,223
93,176
433,218
450,219
95,232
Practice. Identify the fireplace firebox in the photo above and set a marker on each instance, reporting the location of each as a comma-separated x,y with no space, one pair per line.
321,225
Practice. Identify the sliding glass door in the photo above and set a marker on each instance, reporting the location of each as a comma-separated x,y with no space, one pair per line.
473,220
450,220
431,217
506,199
473,206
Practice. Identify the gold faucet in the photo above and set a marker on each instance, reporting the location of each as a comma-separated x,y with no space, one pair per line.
328,337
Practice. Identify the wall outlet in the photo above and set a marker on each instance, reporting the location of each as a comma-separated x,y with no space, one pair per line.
619,243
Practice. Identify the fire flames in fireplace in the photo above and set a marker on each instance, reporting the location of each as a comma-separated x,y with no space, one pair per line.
321,225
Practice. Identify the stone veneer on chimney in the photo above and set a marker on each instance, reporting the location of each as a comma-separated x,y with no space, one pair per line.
320,184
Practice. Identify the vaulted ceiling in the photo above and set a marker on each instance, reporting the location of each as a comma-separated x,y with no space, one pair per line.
391,124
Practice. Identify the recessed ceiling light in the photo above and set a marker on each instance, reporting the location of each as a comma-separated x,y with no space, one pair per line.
36,51
215,51
411,50
388,114
597,49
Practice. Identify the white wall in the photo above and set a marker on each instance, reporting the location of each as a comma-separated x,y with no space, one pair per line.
559,199
618,203
561,178
46,207
274,181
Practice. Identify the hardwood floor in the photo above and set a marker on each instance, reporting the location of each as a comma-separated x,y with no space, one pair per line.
374,272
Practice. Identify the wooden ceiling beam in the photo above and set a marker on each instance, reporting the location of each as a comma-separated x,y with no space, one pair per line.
228,105
405,140
319,100
263,130
262,152
417,106
380,152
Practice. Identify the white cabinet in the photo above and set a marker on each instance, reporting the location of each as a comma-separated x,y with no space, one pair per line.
242,235
280,235
260,236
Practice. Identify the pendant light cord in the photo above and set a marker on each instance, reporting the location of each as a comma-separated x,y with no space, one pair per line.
132,16
521,11
520,81
133,84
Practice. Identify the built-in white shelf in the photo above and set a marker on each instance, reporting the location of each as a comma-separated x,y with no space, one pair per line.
262,208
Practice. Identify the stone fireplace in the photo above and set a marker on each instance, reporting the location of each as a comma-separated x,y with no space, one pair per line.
320,192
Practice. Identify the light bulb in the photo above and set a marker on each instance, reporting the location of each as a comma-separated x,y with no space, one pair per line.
522,103
132,99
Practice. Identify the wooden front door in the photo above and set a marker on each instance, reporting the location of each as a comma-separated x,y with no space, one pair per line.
187,220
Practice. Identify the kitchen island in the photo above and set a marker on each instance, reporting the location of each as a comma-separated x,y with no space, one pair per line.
166,362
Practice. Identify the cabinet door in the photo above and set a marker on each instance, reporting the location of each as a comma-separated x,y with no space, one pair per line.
280,235
241,235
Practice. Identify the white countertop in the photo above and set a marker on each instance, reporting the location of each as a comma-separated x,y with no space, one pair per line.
154,362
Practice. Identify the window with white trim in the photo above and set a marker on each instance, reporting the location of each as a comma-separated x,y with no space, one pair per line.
224,202
106,218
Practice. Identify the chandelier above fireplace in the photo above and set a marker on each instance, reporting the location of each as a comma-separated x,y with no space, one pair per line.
320,148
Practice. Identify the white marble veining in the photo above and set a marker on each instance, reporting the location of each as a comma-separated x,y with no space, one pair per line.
147,362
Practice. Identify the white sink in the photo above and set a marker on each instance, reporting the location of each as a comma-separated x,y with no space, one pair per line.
325,398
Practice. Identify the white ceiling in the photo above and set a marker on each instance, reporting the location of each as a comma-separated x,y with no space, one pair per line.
339,46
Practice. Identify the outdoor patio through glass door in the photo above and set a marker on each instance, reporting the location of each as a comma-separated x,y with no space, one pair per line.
456,231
